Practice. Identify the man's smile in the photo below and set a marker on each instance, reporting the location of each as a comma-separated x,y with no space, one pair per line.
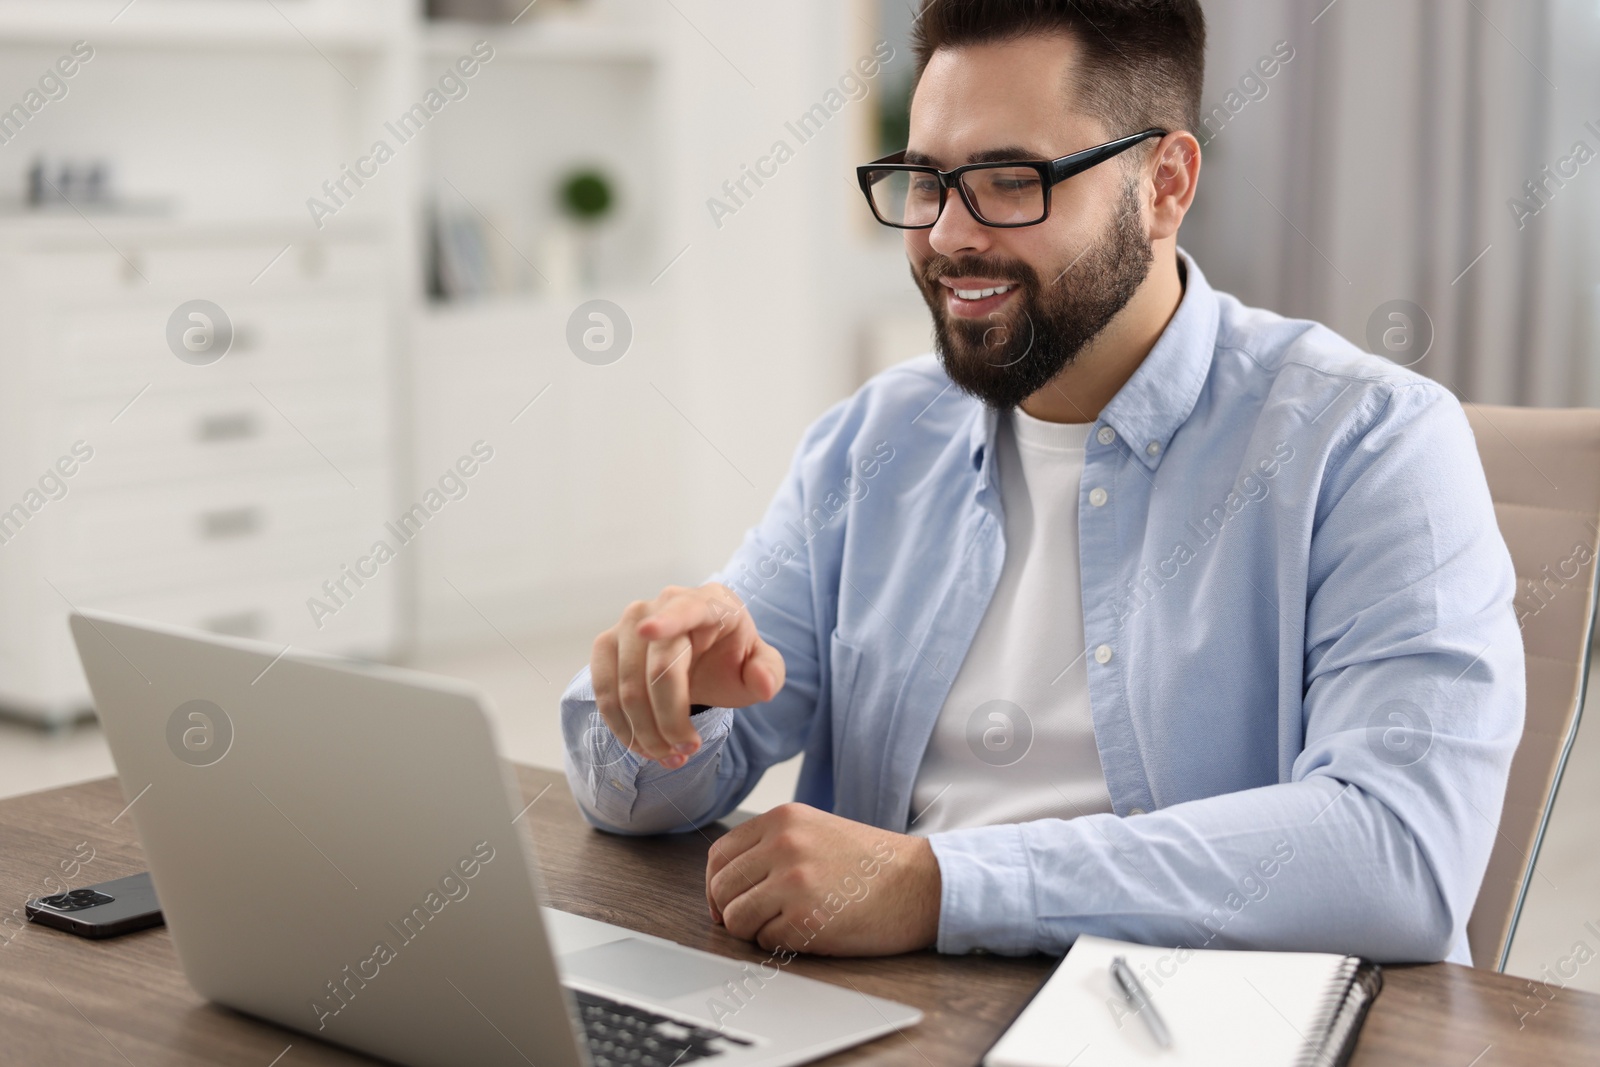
976,298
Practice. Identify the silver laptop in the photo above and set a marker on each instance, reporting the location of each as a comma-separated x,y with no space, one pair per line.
337,848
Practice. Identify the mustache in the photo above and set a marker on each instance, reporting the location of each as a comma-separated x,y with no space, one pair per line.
937,266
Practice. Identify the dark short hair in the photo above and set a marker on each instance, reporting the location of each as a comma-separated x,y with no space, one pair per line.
1143,61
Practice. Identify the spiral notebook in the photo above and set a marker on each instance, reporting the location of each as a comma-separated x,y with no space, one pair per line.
1223,1008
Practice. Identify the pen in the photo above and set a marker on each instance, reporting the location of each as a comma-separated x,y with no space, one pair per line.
1133,990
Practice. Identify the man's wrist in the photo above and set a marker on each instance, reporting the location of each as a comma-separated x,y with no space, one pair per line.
924,892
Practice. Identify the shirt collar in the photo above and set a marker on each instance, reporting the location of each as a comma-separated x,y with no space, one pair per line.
1150,407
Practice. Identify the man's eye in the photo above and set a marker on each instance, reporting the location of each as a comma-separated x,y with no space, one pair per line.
924,187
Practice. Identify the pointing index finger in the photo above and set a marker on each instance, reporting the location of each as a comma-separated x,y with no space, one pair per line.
683,614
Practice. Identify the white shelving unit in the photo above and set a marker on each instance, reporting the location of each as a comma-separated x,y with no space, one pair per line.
344,399
529,551
616,480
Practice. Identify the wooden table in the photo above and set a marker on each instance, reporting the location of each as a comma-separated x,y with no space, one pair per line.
65,1000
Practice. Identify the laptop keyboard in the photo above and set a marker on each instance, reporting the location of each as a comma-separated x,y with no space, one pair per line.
624,1034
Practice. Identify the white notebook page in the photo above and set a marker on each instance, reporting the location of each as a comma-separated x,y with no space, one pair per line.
1223,1008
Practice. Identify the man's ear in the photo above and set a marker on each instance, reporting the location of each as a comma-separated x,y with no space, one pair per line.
1174,175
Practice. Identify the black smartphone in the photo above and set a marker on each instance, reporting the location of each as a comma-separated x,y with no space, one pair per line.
119,906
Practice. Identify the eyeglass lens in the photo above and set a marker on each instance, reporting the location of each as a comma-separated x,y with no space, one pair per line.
1003,195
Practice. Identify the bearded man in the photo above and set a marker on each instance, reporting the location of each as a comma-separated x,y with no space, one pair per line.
1131,611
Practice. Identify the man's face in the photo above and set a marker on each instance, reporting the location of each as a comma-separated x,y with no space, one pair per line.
1061,281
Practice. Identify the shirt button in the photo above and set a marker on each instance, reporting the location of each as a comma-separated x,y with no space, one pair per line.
1153,448
1135,811
1097,496
1102,654
1106,435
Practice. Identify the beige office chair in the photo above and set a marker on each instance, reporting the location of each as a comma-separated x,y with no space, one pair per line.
1543,467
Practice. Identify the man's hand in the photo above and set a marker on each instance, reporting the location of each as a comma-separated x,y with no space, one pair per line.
803,880
687,646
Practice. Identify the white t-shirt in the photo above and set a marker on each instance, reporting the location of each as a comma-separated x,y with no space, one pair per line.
1015,740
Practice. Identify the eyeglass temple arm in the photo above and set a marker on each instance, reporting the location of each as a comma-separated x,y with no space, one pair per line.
1065,167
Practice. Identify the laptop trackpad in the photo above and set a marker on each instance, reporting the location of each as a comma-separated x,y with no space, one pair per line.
647,969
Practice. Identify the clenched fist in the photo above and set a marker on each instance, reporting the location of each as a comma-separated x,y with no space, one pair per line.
687,646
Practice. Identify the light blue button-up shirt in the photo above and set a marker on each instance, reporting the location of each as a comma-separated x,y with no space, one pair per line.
1305,671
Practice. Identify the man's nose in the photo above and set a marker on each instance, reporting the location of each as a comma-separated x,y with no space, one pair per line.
956,232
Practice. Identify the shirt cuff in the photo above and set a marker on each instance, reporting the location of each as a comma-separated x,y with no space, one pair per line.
986,891
609,770
616,776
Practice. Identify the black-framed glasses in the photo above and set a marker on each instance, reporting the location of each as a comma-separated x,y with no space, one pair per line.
1005,194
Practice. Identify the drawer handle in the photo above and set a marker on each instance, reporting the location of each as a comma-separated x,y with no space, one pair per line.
239,624
230,522
232,426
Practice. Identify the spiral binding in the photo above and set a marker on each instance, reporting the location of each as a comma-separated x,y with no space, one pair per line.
1340,1014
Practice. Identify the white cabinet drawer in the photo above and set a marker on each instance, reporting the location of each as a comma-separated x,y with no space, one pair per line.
308,264
97,272
274,610
219,532
117,351
144,264
323,431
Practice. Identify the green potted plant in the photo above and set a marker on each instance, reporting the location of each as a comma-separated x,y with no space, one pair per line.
586,202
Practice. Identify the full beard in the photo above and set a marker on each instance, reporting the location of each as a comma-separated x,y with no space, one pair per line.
1015,352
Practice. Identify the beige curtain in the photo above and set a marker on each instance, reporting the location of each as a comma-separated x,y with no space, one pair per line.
1389,160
